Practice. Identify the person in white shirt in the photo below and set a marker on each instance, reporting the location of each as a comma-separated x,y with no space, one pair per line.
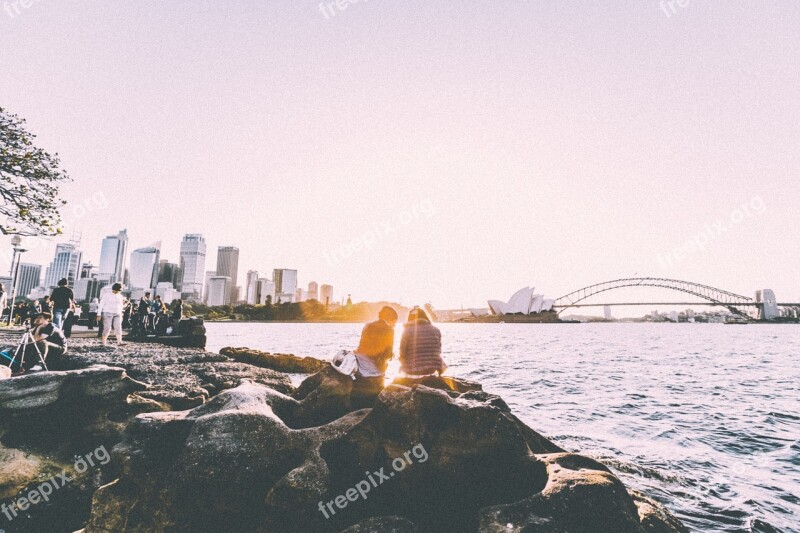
110,308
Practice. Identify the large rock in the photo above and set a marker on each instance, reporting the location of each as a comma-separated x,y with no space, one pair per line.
426,458
276,361
48,421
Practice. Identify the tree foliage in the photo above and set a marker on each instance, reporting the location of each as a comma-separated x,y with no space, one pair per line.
29,180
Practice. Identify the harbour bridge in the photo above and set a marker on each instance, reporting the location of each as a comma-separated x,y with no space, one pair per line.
711,296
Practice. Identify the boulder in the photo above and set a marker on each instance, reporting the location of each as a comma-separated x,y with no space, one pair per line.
48,421
276,361
422,458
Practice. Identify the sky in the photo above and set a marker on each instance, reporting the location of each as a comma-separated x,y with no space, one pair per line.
425,151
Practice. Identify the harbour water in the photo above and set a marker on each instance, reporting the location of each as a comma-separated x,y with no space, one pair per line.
703,417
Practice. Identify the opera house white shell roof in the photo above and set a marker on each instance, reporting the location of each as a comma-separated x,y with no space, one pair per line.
524,301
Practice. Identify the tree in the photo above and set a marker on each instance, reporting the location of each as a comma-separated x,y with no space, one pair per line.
29,180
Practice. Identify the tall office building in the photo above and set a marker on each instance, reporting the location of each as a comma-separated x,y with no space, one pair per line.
219,290
87,288
168,272
251,287
88,270
285,284
299,295
192,266
66,264
28,279
209,275
113,257
228,265
144,267
265,291
326,294
313,291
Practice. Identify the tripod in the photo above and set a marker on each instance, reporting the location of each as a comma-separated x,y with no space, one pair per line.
22,347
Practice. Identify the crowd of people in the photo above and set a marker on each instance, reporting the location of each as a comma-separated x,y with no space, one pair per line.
51,318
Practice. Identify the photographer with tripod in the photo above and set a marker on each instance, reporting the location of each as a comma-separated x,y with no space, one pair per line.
49,338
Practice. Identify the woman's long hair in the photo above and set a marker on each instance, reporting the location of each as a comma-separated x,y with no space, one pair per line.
417,314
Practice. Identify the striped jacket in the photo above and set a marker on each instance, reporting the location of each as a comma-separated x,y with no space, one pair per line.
421,349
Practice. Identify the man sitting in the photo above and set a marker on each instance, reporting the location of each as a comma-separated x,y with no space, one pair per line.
374,352
49,339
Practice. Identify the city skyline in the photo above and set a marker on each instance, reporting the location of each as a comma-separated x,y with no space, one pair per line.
558,145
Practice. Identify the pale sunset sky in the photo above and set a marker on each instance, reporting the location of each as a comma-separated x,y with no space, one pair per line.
464,149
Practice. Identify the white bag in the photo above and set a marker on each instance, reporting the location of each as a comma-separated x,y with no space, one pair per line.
345,362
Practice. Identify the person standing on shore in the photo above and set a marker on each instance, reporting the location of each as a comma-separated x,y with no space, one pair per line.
63,300
177,311
421,346
375,350
4,301
93,306
110,309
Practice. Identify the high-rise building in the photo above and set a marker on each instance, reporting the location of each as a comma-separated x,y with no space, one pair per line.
326,294
167,291
313,291
88,270
113,256
144,267
87,288
27,279
251,287
219,290
192,266
266,288
66,264
299,295
209,275
285,284
228,265
168,272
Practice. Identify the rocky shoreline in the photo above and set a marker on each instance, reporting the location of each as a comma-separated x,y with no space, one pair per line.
199,441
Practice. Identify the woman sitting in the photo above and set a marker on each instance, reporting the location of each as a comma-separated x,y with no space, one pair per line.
421,346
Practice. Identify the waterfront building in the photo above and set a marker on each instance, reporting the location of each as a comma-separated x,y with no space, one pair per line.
87,288
313,291
251,287
266,288
167,291
326,294
144,267
285,284
192,266
113,255
607,313
219,290
524,302
28,279
169,273
228,265
299,295
66,264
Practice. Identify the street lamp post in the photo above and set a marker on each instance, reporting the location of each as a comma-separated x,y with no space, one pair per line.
15,261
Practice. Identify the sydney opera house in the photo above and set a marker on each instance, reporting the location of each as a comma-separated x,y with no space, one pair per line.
523,302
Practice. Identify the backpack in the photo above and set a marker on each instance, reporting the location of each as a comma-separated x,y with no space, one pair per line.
345,362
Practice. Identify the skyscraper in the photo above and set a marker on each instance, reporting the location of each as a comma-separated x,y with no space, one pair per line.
313,291
28,279
192,266
285,284
228,265
326,294
168,272
265,291
113,257
144,267
251,287
66,264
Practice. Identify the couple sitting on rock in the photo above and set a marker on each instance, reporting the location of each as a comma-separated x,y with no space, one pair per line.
420,349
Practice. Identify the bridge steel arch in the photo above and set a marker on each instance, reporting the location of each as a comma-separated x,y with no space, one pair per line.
720,297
